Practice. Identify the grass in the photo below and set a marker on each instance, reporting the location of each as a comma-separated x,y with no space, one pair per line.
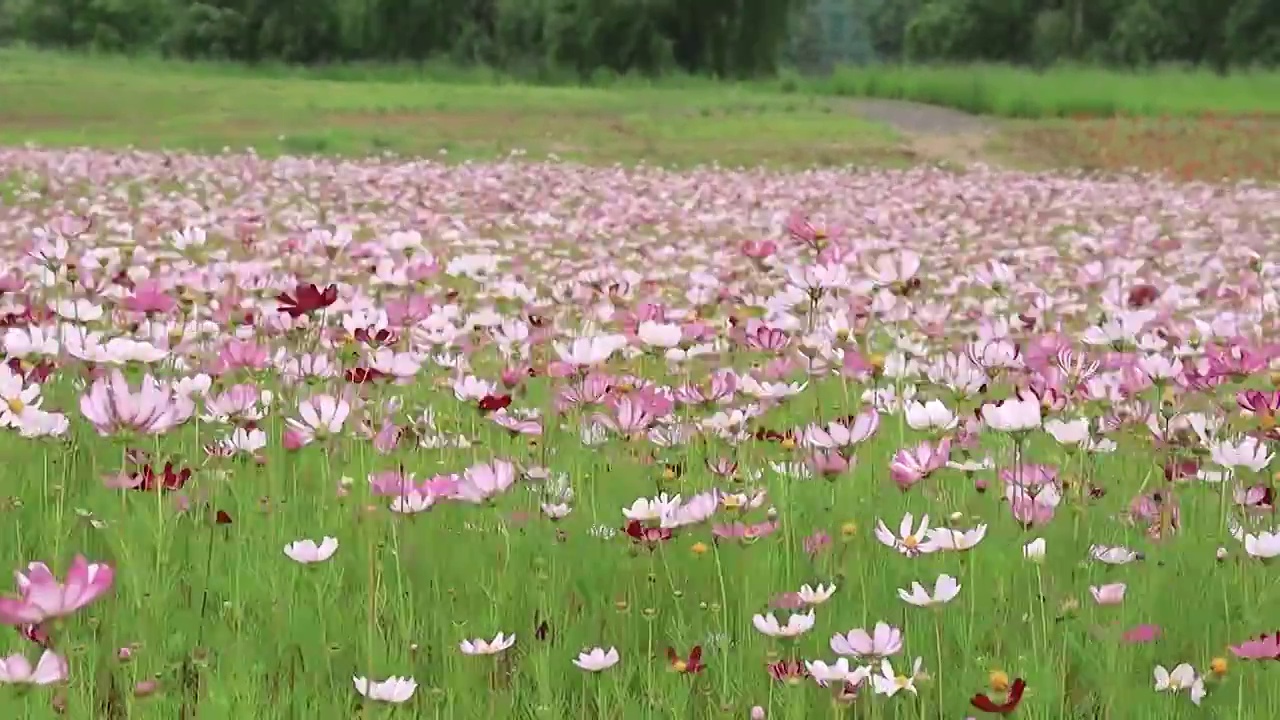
1064,92
63,100
1188,124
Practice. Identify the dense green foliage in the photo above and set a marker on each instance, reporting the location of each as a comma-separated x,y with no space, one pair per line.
727,38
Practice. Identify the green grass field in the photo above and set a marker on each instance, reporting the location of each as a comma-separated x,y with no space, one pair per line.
1066,92
1189,124
60,100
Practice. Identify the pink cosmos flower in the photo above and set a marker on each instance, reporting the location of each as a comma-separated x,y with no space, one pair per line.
829,463
42,597
759,249
16,669
486,480
151,298
910,466
1140,634
629,414
112,407
1109,594
744,531
240,354
318,415
840,434
517,424
1030,510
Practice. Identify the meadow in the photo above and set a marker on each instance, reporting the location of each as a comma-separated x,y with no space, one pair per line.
296,434
1190,125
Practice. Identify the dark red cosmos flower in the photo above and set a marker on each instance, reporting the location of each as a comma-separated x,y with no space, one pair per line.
1142,295
361,375
36,634
1181,469
767,435
791,672
987,705
693,664
650,536
36,373
377,338
168,480
492,403
542,630
21,319
306,299
221,517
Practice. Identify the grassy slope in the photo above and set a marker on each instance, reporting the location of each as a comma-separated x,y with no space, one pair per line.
63,100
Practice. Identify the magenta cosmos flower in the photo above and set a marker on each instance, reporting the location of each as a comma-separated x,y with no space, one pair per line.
1264,647
42,597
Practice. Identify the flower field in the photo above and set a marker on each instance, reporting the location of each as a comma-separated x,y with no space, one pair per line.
302,438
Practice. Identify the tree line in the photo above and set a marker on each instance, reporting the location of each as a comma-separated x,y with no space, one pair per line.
724,38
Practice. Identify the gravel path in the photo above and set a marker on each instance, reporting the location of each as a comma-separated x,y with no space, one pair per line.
913,118
932,133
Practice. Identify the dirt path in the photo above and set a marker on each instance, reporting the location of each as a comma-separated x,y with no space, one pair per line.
930,132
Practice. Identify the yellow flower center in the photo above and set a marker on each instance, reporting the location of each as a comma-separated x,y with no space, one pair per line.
668,474
999,681
680,665
1218,666
788,443
699,548
731,502
15,404
1268,421
902,681
910,542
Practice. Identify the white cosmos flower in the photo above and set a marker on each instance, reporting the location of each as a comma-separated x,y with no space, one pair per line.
930,415
816,596
480,646
1113,555
1183,677
307,551
945,589
394,689
949,539
909,542
890,683
659,335
1262,545
1034,550
1248,452
797,624
597,659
